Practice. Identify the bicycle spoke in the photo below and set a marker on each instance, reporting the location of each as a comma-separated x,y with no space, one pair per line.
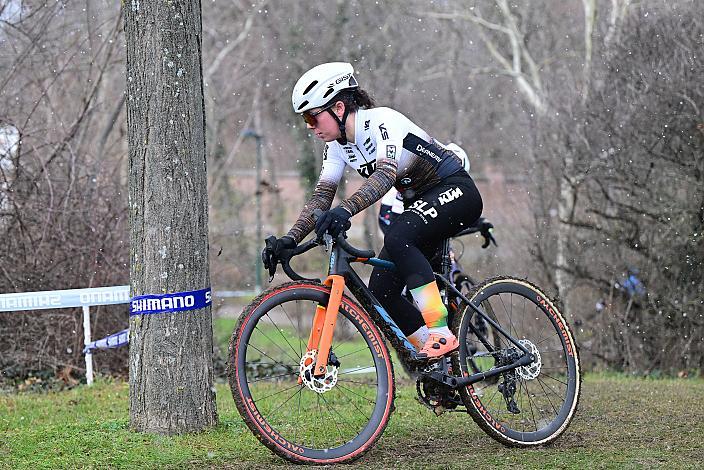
277,393
275,344
530,402
332,417
551,335
359,383
295,366
503,304
553,378
347,372
281,333
546,351
524,316
295,432
547,397
265,354
274,377
342,418
354,404
293,328
354,352
320,411
272,413
354,393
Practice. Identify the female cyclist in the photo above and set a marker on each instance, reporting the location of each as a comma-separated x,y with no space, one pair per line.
387,149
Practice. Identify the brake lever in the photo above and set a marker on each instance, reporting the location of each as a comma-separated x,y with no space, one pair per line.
488,238
327,239
269,245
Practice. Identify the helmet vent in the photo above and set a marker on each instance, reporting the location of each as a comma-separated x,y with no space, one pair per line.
310,87
303,104
327,93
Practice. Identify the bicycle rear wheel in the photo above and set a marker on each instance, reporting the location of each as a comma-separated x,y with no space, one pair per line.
476,350
530,405
329,420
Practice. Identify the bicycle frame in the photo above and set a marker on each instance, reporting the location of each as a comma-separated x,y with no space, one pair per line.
341,275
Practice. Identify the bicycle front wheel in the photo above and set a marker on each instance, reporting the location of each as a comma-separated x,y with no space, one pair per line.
530,405
307,419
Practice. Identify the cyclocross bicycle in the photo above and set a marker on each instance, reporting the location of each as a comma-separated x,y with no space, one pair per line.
311,373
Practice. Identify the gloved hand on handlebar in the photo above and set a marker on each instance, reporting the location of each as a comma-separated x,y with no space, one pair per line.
485,229
335,221
274,249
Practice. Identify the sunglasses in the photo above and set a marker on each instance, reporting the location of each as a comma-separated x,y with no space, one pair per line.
311,119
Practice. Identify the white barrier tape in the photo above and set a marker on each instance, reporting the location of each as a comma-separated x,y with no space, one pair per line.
65,298
115,340
45,300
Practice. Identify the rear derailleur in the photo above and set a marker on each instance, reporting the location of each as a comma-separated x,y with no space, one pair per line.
508,387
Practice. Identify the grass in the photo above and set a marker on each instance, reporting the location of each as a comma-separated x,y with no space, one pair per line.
623,422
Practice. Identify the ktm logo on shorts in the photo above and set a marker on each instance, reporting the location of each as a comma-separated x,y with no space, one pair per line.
449,195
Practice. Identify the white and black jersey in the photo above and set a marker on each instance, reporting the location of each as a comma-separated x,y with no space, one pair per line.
389,151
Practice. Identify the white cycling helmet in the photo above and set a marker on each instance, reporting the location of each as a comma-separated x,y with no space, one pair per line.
460,153
320,84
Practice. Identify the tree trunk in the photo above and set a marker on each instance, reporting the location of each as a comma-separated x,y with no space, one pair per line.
171,369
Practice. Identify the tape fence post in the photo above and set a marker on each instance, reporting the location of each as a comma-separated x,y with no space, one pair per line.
86,342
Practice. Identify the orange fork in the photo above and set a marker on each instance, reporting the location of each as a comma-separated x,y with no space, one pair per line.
324,323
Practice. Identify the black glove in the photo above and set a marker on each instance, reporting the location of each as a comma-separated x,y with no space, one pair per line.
273,249
485,228
334,221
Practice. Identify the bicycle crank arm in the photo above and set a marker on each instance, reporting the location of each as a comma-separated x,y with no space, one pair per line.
457,382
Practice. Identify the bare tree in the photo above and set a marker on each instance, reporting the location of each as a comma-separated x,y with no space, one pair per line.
171,368
636,185
62,215
508,32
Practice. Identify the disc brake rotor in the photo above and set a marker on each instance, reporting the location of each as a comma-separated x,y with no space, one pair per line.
321,384
532,370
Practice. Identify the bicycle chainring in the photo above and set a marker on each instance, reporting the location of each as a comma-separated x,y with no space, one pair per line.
434,395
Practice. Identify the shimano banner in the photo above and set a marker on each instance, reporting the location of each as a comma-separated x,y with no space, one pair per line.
64,298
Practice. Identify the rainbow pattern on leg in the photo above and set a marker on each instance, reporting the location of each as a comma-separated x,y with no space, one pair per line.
430,304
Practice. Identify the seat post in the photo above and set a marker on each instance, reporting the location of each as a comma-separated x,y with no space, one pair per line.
445,267
446,264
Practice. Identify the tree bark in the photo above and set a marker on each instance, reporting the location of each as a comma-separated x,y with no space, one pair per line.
171,370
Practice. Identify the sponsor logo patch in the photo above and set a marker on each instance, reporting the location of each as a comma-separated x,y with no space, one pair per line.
391,152
384,133
423,209
424,151
449,195
366,169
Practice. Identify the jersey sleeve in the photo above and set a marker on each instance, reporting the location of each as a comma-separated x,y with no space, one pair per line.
323,194
389,144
